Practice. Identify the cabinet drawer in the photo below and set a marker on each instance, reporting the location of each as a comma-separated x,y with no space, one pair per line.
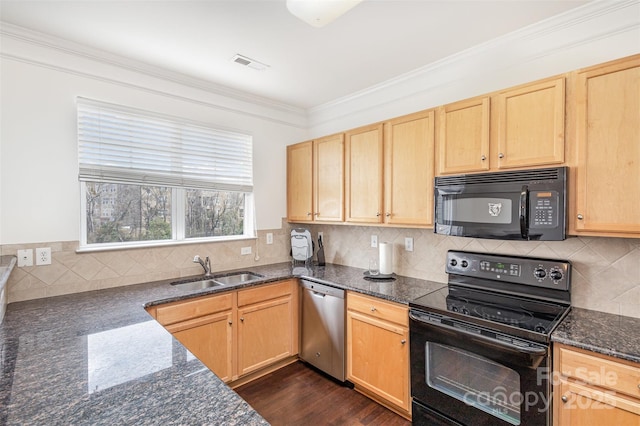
181,311
598,370
378,308
262,293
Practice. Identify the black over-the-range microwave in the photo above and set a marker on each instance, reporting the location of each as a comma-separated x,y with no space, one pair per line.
514,205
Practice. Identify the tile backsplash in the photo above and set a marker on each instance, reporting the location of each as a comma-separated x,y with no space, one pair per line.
72,272
606,271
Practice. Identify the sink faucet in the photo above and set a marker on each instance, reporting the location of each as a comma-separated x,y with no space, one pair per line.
206,265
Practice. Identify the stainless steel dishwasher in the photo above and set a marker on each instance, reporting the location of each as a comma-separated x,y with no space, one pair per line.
323,332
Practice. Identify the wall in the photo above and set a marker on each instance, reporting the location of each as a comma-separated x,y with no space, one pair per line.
39,189
606,271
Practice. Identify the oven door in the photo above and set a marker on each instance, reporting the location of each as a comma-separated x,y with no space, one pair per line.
473,376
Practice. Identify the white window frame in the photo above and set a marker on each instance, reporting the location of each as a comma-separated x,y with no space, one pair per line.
178,190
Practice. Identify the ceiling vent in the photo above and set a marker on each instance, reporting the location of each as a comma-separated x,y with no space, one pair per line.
248,62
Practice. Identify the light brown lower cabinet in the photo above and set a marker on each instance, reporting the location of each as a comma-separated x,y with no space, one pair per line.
268,325
236,333
594,389
378,350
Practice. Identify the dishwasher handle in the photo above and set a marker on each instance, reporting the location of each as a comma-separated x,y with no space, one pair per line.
321,290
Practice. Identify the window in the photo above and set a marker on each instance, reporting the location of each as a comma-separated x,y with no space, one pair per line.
147,179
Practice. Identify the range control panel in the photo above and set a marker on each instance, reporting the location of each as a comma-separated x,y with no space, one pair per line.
539,272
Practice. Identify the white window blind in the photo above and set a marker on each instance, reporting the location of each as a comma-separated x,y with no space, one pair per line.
120,144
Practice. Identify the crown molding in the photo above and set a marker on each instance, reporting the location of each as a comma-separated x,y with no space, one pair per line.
80,51
544,29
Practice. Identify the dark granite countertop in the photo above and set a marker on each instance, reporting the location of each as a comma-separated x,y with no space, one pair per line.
608,334
98,358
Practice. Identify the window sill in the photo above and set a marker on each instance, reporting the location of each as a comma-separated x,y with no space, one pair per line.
156,244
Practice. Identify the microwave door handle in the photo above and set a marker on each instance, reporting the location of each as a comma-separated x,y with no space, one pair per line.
524,212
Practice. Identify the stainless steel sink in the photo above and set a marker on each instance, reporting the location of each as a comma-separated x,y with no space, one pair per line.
198,284
236,278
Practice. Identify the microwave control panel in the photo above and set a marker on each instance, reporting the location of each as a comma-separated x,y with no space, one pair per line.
545,209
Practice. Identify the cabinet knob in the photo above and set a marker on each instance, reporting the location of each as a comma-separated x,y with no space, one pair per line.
309,214
242,319
403,341
373,309
564,398
501,155
388,214
316,214
230,322
378,214
483,158
580,217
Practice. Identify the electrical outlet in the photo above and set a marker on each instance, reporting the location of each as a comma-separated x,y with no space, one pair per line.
245,250
269,238
43,256
408,244
374,241
25,257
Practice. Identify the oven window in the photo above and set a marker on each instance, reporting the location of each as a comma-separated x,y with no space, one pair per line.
495,211
474,380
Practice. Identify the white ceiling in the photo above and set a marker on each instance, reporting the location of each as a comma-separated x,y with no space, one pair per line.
372,43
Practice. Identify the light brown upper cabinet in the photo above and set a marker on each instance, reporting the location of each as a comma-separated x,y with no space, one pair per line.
463,136
389,171
409,169
530,125
606,105
364,159
514,128
315,180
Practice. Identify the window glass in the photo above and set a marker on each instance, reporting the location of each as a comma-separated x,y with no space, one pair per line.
213,213
119,213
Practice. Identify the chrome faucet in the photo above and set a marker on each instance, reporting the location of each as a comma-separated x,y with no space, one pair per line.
206,265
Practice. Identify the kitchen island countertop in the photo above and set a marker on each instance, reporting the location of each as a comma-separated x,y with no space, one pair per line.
98,358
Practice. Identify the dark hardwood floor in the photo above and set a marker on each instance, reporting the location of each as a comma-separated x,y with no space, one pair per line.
299,395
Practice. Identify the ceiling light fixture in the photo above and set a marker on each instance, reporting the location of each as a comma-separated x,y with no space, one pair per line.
319,13
248,62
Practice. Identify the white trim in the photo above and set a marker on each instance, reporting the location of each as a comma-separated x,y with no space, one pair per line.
23,45
540,43
83,51
161,243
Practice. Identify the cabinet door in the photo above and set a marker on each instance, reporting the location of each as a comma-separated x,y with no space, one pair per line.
265,334
531,125
328,178
583,405
409,169
463,136
378,358
363,170
300,182
607,102
209,339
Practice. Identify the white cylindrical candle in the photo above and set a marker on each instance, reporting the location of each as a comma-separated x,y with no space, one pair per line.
386,258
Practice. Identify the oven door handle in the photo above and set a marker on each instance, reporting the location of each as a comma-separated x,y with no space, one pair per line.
526,350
